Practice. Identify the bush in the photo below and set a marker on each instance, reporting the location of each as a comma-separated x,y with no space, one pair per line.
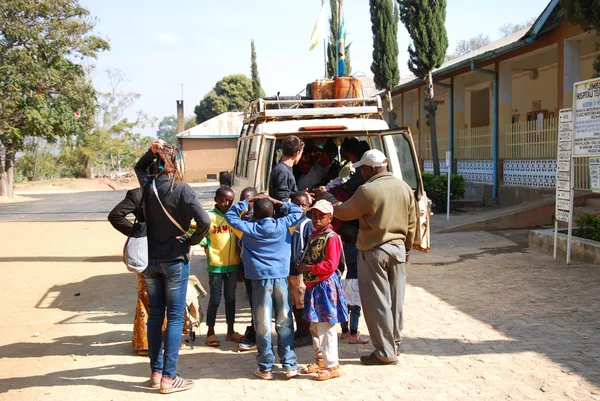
437,189
589,226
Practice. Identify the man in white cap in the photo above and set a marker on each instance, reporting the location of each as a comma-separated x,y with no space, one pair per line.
385,209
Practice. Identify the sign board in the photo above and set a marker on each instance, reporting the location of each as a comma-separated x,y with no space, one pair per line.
595,174
448,158
562,216
586,114
563,165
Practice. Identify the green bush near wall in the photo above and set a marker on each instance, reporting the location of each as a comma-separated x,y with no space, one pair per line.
589,226
437,189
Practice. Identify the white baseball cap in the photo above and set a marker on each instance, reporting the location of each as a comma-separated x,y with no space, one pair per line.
324,206
373,158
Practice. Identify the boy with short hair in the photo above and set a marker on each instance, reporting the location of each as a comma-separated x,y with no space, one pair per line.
223,260
266,259
282,183
301,233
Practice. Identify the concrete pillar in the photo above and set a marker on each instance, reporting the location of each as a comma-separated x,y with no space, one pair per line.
504,96
407,112
459,111
571,67
180,118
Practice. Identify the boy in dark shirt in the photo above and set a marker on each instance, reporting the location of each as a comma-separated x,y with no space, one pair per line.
282,183
349,233
301,233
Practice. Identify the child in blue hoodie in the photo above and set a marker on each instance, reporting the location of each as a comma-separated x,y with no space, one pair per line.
266,258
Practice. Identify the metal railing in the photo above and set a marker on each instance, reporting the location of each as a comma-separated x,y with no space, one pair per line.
474,144
530,140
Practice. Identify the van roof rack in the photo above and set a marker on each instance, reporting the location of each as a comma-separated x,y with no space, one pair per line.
262,110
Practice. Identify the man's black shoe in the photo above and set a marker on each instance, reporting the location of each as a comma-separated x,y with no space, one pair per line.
303,341
373,360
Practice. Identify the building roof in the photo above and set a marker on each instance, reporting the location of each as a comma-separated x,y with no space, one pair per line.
548,20
226,125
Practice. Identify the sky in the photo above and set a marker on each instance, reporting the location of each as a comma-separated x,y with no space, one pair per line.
160,45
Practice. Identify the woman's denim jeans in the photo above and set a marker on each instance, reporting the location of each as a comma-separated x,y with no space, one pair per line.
166,284
271,296
221,283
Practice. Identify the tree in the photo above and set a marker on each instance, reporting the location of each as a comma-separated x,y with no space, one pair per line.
333,43
384,25
467,46
257,90
167,130
509,29
425,22
232,93
45,92
112,142
586,14
190,122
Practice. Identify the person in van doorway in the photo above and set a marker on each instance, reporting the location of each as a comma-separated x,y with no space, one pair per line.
301,233
282,183
349,234
171,205
223,260
385,209
324,301
266,257
250,334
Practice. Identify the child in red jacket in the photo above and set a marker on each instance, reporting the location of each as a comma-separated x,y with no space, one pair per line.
324,300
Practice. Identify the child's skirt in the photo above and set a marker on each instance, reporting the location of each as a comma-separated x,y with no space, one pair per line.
351,291
325,302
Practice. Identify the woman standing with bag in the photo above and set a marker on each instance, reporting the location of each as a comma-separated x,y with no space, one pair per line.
170,206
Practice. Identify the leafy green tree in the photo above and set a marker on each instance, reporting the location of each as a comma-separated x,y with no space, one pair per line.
425,22
231,93
167,130
333,43
257,90
190,122
384,25
586,14
37,160
112,138
44,90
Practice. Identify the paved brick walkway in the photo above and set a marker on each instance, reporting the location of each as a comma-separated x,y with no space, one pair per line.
485,320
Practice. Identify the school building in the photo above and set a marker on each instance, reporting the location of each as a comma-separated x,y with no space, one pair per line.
502,101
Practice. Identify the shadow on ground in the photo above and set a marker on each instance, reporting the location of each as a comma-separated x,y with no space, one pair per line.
541,304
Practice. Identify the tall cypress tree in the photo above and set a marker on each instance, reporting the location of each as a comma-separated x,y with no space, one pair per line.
424,20
333,42
384,25
257,90
586,14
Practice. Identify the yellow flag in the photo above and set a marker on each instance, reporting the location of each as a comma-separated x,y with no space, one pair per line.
318,33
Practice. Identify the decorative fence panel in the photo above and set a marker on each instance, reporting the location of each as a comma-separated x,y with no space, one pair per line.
530,140
474,144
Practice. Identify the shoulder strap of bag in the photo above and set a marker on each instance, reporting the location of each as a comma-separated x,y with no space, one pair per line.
165,210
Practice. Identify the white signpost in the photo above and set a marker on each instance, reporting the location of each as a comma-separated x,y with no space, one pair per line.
563,170
448,161
585,131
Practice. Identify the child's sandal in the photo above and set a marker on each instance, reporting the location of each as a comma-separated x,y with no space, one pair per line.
326,374
313,367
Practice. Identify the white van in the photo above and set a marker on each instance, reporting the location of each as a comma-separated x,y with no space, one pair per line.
267,122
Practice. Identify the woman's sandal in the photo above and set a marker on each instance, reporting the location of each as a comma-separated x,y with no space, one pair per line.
313,367
212,341
326,374
236,338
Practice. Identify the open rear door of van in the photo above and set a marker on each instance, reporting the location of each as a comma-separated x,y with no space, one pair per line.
403,163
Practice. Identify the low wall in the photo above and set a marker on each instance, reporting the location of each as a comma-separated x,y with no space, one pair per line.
582,250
